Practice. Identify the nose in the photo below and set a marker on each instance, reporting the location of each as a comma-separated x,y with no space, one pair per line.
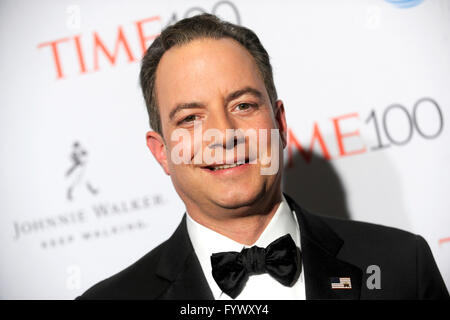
223,141
223,128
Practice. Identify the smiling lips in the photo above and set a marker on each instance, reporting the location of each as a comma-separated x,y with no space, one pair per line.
226,167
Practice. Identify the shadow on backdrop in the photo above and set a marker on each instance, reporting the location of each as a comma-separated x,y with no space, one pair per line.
316,186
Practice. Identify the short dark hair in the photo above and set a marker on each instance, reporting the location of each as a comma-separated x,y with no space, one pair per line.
187,30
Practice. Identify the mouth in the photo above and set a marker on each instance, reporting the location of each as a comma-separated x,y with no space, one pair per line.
225,167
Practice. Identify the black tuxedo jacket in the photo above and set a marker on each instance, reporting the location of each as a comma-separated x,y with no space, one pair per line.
330,248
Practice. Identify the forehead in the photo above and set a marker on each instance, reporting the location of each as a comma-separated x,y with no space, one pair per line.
204,69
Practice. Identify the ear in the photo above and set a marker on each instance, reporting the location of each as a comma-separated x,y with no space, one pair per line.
158,148
281,121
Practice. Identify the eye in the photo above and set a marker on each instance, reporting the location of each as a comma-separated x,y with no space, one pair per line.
188,119
245,106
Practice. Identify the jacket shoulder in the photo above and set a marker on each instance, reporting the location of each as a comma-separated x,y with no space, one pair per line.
138,281
366,231
404,259
366,241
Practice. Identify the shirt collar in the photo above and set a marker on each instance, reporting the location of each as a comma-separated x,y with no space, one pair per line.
206,241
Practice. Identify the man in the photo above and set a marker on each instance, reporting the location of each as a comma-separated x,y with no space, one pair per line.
241,238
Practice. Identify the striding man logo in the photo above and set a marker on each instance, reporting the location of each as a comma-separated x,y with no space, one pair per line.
76,173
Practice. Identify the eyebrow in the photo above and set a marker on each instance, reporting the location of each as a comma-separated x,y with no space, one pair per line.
230,97
182,106
247,90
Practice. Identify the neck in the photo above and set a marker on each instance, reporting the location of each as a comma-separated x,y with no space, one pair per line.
243,225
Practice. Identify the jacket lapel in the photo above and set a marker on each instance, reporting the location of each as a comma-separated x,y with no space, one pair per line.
320,246
180,266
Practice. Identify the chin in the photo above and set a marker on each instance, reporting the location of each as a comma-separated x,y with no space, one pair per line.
235,199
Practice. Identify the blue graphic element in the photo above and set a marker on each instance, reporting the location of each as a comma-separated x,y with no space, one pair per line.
403,4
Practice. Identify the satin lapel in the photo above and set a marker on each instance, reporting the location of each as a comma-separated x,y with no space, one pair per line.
179,264
321,268
320,245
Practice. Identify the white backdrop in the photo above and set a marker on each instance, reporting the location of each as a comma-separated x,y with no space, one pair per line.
365,86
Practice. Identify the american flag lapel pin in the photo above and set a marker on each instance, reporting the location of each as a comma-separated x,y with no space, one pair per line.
341,283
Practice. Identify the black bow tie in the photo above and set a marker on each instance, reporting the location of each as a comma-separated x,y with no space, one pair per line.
281,259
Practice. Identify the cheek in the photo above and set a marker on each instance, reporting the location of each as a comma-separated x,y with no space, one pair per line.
269,142
264,126
264,120
180,148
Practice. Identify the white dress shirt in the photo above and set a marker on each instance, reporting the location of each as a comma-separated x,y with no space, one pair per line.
261,286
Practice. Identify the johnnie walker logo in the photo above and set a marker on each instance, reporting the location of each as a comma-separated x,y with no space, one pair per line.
75,175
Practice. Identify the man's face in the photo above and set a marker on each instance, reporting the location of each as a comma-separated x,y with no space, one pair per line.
215,84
